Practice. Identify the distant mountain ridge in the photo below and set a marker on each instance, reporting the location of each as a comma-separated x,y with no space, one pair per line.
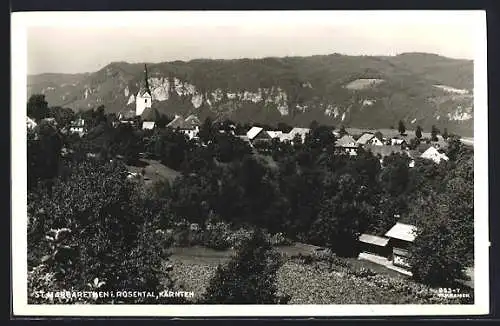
357,91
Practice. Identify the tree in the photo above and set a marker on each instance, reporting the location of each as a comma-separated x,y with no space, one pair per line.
63,116
113,230
379,135
313,125
395,175
339,221
445,134
249,278
37,107
43,153
342,131
207,131
418,132
401,127
434,133
434,256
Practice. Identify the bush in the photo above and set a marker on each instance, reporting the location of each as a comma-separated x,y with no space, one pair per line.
279,239
249,278
217,236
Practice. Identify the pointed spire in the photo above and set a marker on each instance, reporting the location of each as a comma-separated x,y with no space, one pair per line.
146,83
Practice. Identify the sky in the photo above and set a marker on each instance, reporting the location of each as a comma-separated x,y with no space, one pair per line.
84,42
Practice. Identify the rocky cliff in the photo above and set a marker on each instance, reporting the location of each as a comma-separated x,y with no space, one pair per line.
358,91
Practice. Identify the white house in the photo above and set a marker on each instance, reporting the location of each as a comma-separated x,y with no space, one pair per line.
274,134
255,131
347,144
433,154
401,238
78,126
143,99
299,131
30,123
369,139
149,125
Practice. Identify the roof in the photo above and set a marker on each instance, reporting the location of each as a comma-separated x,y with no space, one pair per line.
384,150
433,154
192,121
253,132
346,141
176,122
274,134
285,137
300,131
148,125
405,232
125,115
30,122
364,138
373,239
150,114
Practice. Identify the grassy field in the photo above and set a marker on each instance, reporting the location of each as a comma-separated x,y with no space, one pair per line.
313,283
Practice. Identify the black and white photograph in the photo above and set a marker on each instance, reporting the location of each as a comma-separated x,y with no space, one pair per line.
301,163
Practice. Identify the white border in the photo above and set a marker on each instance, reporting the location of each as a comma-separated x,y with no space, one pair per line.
22,21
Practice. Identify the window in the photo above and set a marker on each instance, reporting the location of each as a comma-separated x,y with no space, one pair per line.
145,100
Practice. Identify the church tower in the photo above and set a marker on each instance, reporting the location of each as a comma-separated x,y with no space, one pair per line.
143,99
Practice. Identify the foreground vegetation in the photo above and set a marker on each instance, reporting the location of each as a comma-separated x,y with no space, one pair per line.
88,221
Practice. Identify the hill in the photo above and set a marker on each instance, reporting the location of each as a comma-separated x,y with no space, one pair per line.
356,91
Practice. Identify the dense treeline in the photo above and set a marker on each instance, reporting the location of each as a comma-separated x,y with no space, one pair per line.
308,192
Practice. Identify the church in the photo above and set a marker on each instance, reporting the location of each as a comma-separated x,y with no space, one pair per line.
144,98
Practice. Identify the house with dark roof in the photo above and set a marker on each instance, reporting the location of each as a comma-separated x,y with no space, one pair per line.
375,245
127,116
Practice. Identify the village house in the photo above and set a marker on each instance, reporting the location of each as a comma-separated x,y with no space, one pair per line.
127,117
298,131
258,134
398,141
433,154
401,237
347,144
375,245
385,150
30,123
274,134
149,118
189,126
78,126
369,139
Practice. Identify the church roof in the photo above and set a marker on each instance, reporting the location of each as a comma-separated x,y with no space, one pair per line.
150,114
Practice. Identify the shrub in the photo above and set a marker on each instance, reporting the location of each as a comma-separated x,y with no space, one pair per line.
249,278
217,236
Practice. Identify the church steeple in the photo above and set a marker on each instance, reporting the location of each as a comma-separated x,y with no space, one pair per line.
146,83
144,97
